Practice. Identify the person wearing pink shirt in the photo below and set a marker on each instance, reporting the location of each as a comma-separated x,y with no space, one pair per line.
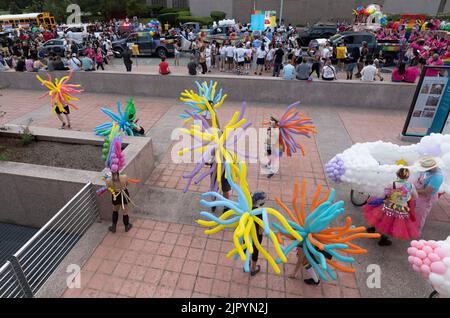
435,60
398,74
411,74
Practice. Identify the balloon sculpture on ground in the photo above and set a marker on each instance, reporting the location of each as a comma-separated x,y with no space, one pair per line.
60,91
124,120
293,123
214,144
371,167
432,259
243,217
197,102
318,236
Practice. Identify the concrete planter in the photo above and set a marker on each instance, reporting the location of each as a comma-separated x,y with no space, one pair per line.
31,194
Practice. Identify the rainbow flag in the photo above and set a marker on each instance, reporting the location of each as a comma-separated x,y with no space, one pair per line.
447,61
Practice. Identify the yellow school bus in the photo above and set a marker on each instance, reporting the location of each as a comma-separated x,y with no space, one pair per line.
27,20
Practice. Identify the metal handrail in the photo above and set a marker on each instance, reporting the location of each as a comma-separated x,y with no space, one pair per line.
35,261
9,282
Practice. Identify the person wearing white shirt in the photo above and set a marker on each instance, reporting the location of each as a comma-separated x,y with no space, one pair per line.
230,56
269,58
328,71
260,58
223,55
248,58
208,57
74,63
369,72
240,59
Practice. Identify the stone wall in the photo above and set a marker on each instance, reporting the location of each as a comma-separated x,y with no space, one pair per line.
269,90
31,194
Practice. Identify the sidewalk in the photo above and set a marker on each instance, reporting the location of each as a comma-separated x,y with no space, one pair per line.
164,259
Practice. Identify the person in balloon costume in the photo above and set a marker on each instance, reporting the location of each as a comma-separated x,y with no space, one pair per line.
394,214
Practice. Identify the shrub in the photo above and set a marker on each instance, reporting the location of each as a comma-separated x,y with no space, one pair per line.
202,20
218,15
169,18
26,136
173,10
4,157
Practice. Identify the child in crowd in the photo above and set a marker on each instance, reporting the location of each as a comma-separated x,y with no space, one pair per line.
394,215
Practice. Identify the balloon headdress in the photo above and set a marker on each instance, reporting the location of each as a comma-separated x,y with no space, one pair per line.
243,217
215,146
318,237
124,120
60,91
290,124
207,94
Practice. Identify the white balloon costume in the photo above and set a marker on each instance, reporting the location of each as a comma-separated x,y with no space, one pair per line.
371,167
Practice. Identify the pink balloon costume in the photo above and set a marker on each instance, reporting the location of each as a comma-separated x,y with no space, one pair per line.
394,216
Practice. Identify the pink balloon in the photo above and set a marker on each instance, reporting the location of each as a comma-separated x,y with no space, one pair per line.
421,254
442,252
416,268
434,257
427,261
438,268
417,261
414,243
433,244
427,249
114,168
411,259
412,250
420,244
425,269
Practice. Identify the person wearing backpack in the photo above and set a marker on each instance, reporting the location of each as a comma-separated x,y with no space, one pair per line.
328,71
74,63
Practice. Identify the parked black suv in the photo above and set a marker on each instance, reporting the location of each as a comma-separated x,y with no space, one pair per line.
317,31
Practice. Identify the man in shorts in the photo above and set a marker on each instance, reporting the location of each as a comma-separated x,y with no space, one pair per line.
66,113
230,56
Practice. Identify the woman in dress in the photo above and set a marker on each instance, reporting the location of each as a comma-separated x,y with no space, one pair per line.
394,215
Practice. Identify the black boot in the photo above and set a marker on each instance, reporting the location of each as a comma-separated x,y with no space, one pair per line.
126,222
115,217
384,241
370,230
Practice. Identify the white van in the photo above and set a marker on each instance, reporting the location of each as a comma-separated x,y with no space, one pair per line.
76,32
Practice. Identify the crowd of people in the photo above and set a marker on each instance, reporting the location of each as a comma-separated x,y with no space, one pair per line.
22,49
273,52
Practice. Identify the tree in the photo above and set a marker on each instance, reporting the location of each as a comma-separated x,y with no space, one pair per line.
14,8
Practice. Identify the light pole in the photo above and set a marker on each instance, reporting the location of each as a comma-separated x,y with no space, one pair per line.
281,10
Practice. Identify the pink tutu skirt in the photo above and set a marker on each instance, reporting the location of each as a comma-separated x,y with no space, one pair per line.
391,222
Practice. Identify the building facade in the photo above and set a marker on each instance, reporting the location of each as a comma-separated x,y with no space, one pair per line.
301,12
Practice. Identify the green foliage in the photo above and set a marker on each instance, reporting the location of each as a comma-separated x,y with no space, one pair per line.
202,20
4,157
26,137
169,18
218,15
173,10
14,8
58,9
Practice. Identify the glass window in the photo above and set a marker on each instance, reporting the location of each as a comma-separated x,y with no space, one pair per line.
132,38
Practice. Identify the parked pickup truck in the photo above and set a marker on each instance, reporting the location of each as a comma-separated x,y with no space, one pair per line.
388,48
146,43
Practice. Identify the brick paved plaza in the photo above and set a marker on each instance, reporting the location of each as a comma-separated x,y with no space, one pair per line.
162,257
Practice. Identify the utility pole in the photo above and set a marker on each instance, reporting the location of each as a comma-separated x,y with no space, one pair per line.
281,10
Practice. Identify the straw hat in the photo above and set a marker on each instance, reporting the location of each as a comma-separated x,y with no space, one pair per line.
427,163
